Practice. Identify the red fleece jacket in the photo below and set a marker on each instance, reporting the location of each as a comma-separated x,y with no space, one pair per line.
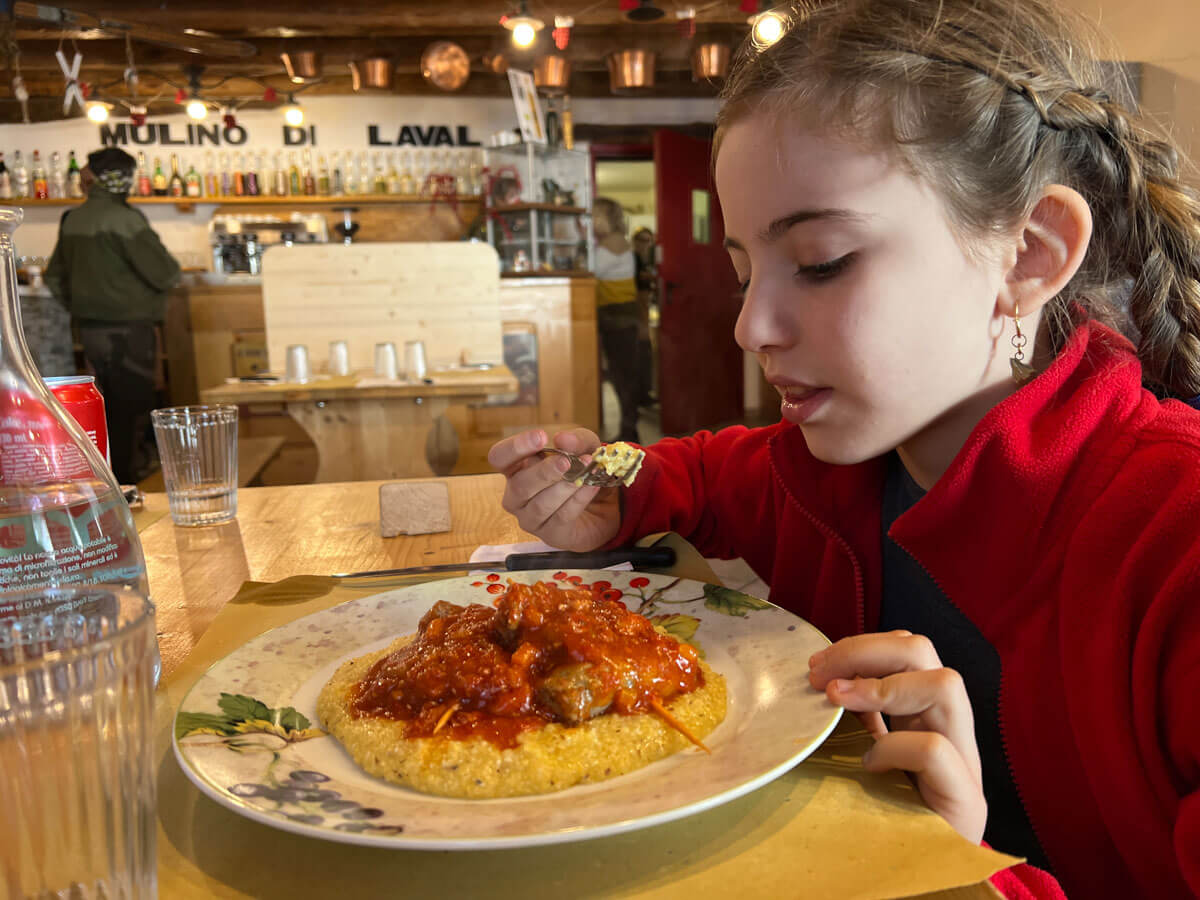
1068,530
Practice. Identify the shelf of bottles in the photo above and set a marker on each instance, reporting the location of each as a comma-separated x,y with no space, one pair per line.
418,176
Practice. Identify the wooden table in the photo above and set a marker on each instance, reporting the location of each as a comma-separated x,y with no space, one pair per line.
314,529
747,848
375,431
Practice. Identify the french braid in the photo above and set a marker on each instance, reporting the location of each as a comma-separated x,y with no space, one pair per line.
990,101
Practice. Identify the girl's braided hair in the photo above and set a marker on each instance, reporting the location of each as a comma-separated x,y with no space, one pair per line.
989,101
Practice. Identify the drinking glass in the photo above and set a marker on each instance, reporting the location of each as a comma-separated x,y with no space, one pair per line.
76,743
197,446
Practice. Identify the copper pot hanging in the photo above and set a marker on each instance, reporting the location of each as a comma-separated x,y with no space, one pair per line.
710,61
551,74
377,72
301,66
630,70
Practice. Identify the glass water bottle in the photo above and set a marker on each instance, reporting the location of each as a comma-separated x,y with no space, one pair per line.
63,518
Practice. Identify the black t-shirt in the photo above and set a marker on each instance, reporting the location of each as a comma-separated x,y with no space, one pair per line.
912,600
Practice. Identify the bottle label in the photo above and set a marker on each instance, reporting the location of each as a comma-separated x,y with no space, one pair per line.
35,449
83,539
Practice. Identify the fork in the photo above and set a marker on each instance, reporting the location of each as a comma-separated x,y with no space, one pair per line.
584,474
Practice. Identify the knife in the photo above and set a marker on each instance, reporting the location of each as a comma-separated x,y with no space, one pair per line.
639,557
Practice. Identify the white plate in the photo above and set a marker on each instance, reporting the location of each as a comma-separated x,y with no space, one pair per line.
258,760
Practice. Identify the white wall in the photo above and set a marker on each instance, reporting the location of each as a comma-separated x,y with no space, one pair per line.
341,125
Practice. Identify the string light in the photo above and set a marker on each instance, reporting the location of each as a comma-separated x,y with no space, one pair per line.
523,26
293,114
197,109
97,110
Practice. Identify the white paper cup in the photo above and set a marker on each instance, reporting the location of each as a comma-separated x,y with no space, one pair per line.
414,360
385,360
339,358
299,370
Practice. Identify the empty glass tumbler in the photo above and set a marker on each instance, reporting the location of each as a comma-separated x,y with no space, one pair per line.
76,743
197,446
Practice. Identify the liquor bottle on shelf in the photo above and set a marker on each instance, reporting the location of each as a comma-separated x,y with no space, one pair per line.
379,179
323,187
226,175
6,190
295,185
392,184
462,173
255,173
310,180
424,182
58,178
280,177
41,187
159,180
238,176
212,184
175,187
20,177
365,183
192,183
336,186
350,182
141,185
74,178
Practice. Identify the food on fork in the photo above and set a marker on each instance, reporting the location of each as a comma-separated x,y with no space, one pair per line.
550,688
618,459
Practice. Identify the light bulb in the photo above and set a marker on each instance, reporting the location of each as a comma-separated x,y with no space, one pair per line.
97,111
523,34
196,109
768,28
294,116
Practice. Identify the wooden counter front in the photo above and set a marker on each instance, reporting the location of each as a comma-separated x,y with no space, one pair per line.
559,314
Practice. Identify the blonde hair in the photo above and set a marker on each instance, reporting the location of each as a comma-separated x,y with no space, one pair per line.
611,211
989,101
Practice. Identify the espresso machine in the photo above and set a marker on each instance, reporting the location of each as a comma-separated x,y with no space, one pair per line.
238,242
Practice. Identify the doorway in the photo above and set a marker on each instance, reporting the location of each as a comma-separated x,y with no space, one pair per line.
625,174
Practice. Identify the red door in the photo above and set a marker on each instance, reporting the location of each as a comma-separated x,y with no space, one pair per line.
700,364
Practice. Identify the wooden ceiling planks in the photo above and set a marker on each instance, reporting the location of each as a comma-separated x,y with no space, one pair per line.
344,32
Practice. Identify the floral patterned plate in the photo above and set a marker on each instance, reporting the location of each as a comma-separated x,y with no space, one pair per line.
246,733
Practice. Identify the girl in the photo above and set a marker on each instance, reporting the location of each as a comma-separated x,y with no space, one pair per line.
938,216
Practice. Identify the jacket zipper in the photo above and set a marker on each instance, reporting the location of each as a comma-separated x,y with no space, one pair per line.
1000,706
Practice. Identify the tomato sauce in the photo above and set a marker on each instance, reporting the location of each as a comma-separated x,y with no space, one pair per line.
543,654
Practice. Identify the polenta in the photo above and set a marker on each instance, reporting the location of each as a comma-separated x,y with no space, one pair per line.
550,689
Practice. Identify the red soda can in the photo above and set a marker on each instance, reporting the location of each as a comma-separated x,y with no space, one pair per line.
82,399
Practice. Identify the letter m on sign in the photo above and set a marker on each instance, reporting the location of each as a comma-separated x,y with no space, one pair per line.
114,135
12,537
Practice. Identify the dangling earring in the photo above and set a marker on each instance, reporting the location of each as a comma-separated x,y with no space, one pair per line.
1022,372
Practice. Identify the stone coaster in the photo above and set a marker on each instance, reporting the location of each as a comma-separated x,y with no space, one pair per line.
413,508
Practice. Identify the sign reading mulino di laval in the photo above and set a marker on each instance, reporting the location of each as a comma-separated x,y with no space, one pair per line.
200,134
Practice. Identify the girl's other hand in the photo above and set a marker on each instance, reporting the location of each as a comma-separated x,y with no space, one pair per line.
558,512
932,728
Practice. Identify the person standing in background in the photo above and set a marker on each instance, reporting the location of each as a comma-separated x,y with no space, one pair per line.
112,272
617,310
646,279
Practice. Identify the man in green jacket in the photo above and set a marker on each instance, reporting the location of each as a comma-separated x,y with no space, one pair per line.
113,274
